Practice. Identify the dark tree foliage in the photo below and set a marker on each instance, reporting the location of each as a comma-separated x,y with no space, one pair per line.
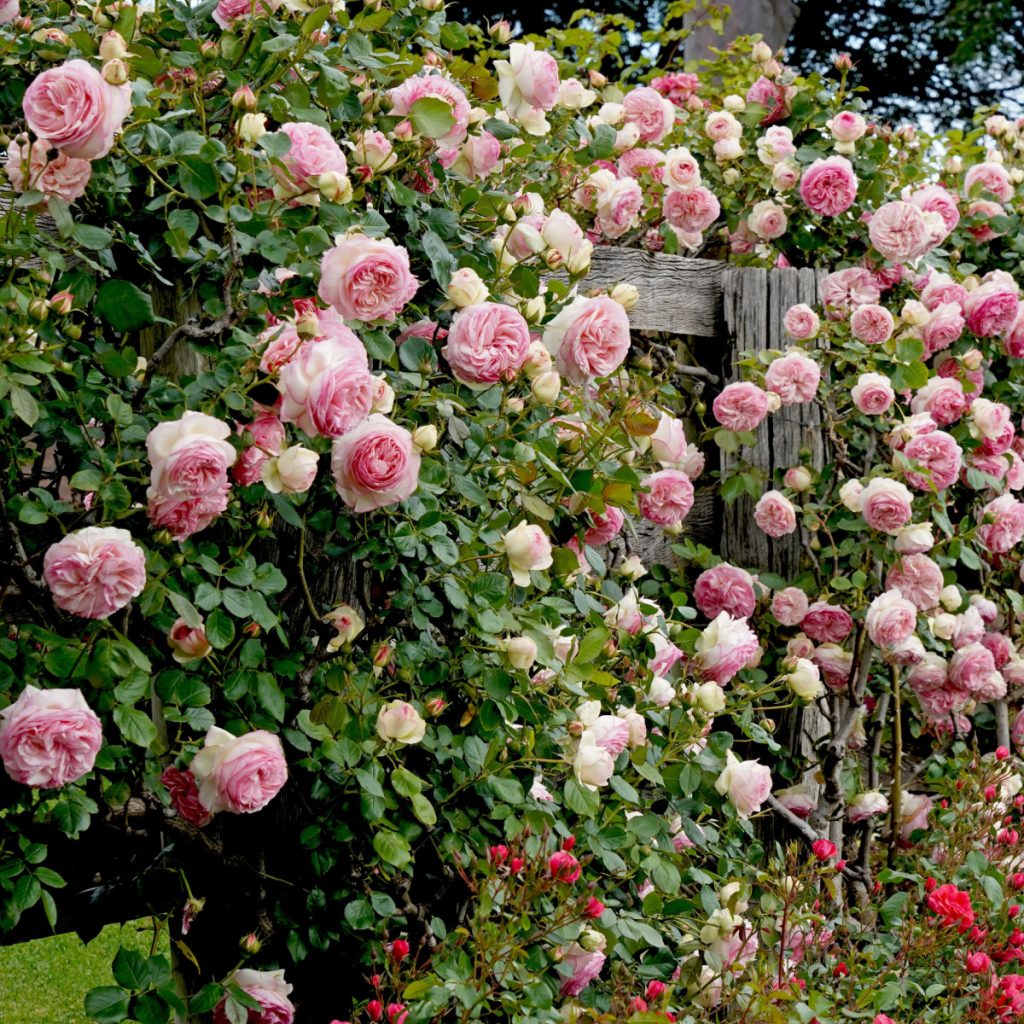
921,59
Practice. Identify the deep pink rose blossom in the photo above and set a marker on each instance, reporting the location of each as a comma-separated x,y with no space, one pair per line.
367,278
488,342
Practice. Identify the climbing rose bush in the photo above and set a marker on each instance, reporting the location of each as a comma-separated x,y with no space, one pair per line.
337,645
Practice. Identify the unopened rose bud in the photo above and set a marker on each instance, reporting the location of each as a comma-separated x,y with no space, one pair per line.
252,127
425,438
972,359
845,148
62,303
112,47
709,697
546,387
842,62
515,404
431,5
348,623
798,478
521,652
950,598
243,98
538,360
575,728
914,313
626,295
188,643
466,288
335,187
209,48
23,24
403,131
381,657
307,324
500,31
534,310
38,309
774,402
579,260
435,707
761,52
632,568
250,944
100,18
734,104
73,331
264,520
731,175
597,80
115,72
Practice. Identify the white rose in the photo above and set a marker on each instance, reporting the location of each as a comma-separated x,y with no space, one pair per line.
400,722
592,765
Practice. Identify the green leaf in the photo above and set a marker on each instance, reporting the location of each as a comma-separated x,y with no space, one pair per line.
279,44
432,117
186,609
107,1004
220,629
125,306
91,236
506,789
392,848
581,799
198,180
591,645
131,970
24,405
151,1009
359,914
424,810
286,510
405,783
206,998
269,694
442,262
135,725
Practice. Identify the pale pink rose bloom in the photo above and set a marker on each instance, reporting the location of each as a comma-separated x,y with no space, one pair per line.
668,443
667,498
930,674
49,737
1013,339
897,230
479,156
890,619
694,210
790,606
799,646
918,578
183,514
681,169
524,238
487,342
9,10
989,419
941,288
282,342
971,670
801,322
240,774
584,967
829,186
797,800
610,733
945,325
607,526
724,647
589,338
936,458
942,398
886,504
421,86
871,324
914,811
794,377
969,629
650,112
187,643
989,177
326,388
313,152
847,126
835,665
873,394
1002,524
618,207
844,290
992,307
776,144
725,588
63,176
269,989
367,278
747,784
666,654
528,80
75,110
935,199
267,433
785,175
1000,647
94,572
227,12
721,125
196,467
624,614
740,406
774,514
678,86
528,549
634,162
770,95
767,220
988,211
375,464
827,623
373,151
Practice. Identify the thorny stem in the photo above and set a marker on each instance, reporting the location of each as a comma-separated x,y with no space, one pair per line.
897,765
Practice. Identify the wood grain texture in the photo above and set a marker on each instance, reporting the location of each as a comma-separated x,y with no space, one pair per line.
677,294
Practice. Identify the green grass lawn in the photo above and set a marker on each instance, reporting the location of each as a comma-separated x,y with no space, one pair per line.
46,980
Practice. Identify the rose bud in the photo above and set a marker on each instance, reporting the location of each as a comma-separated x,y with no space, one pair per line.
335,187
521,652
62,303
188,643
626,295
112,47
399,949
250,944
594,908
425,438
243,98
546,387
500,31
436,706
824,849
252,127
115,72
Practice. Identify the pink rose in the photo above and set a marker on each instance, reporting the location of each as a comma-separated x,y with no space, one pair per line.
678,86
774,514
95,571
914,814
188,643
227,12
282,342
269,989
488,342
794,377
1000,647
681,169
835,665
421,86
740,406
607,526
935,199
1002,524
873,394
747,784
989,177
971,670
1013,339
979,214
610,733
790,606
992,307
935,458
801,322
725,588
844,290
267,433
694,210
667,498
724,647
313,152
847,126
898,231
584,966
185,796
367,278
944,326
942,288
990,420
871,324
886,504
770,95
636,161
326,387
240,774
942,398
528,80
767,220
75,110
829,186
890,619
668,443
589,338
528,549
63,176
479,156
650,112
9,10
827,623
618,206
49,737
375,465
